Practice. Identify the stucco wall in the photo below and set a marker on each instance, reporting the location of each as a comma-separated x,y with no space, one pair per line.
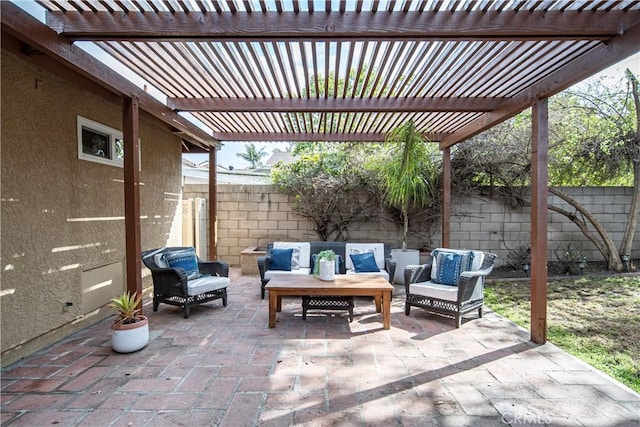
62,215
253,215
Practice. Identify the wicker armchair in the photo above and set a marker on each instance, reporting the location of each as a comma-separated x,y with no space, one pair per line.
447,300
171,285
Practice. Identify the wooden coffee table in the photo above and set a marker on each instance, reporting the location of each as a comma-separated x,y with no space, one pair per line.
343,285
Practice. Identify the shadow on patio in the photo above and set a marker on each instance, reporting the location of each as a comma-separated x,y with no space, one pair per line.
223,366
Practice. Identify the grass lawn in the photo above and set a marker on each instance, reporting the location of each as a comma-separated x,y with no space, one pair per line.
594,318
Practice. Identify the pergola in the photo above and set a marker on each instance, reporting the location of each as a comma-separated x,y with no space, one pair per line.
265,70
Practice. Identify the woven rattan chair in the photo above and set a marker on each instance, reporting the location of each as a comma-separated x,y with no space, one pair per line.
171,285
424,291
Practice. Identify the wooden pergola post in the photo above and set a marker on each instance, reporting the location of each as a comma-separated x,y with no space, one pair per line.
213,204
446,197
131,132
539,205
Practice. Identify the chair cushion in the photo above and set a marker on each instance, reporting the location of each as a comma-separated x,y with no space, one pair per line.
157,255
434,290
269,274
301,253
358,248
364,262
206,284
281,259
448,264
159,260
478,259
382,273
186,259
295,259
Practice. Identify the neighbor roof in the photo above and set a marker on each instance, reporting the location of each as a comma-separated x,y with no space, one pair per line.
353,70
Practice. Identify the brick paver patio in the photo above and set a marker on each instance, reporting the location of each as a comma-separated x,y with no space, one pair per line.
224,367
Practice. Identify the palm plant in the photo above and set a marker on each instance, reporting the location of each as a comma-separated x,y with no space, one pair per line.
127,308
407,179
253,155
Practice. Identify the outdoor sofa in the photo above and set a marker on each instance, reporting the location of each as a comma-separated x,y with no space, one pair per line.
303,256
182,279
450,284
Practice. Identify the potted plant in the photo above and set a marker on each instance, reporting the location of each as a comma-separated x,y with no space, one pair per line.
130,329
407,180
325,265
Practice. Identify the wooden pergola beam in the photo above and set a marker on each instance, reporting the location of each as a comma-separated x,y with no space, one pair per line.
434,25
213,205
131,132
539,217
603,56
446,197
335,105
311,136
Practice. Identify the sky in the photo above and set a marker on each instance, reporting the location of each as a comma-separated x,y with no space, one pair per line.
228,155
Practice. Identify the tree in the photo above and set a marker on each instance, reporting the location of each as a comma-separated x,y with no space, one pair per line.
633,150
330,190
253,155
594,140
331,187
406,173
607,151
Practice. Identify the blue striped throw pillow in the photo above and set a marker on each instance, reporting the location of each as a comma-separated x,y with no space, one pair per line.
186,259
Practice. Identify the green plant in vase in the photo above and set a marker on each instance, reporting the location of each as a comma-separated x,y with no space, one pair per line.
325,265
130,329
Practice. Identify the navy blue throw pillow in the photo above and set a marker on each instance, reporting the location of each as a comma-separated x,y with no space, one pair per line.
449,269
364,262
280,259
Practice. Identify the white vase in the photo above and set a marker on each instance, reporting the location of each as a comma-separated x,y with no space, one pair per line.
410,257
326,270
131,337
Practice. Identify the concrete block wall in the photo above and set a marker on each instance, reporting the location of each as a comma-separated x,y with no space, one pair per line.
253,215
492,226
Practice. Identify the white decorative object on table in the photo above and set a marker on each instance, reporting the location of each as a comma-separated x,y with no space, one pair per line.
327,270
325,265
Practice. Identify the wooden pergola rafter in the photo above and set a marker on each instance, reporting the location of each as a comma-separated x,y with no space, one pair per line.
347,70
237,66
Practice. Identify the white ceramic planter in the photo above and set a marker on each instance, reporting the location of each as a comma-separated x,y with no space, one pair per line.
131,337
327,270
410,257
